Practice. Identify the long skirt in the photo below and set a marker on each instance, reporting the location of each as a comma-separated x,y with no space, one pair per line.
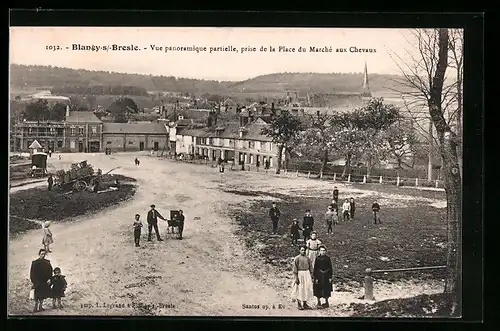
312,255
324,288
42,291
304,290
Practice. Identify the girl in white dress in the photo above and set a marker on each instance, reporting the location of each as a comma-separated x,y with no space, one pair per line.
312,246
47,237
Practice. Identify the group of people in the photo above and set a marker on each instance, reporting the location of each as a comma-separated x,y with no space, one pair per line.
152,220
46,282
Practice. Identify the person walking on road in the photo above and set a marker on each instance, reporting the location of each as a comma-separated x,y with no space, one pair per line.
137,229
47,239
307,225
323,275
153,216
275,214
40,275
302,288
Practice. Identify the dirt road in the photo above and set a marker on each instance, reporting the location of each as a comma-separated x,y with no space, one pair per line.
208,273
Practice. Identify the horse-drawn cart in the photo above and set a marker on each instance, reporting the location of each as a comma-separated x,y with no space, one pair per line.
79,178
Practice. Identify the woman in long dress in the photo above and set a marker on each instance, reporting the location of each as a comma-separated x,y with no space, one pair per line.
302,288
47,237
312,245
323,275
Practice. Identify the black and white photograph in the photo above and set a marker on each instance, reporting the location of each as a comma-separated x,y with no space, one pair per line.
235,171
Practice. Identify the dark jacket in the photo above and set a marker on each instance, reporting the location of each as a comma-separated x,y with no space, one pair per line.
41,271
336,193
50,181
353,206
180,219
308,222
294,230
58,285
376,207
274,213
153,216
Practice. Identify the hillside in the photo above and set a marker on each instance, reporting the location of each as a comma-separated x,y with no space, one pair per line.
32,77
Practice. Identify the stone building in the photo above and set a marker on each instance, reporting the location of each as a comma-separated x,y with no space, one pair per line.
124,137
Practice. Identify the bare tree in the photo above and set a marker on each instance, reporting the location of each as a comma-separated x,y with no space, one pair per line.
425,75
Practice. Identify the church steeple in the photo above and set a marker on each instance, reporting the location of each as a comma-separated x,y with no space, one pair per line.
366,86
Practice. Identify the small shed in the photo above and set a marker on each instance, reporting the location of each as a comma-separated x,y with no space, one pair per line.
39,160
34,147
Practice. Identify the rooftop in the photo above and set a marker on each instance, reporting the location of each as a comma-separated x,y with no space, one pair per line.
82,117
131,128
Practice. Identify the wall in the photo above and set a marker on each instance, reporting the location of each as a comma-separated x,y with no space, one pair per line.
183,144
120,142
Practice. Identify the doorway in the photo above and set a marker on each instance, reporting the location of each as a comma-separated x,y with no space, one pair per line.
155,145
80,147
141,146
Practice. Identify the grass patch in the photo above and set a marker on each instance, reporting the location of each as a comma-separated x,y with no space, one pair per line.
19,171
434,305
410,236
40,204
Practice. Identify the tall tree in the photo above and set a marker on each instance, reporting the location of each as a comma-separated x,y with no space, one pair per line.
426,73
122,109
402,143
318,135
57,112
37,111
284,130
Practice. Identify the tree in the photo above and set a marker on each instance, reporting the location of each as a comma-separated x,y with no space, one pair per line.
402,143
76,104
122,109
58,112
426,73
318,136
374,119
37,111
284,130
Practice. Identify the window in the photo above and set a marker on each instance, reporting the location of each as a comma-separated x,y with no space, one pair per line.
72,144
270,146
72,131
30,130
81,130
257,145
94,129
251,144
109,142
59,143
130,142
60,131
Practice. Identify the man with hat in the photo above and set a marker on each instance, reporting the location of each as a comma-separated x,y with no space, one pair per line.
153,215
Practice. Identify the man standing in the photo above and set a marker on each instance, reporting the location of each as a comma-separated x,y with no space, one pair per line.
322,275
353,208
302,288
376,210
50,182
180,220
346,210
308,225
153,215
275,214
40,275
335,195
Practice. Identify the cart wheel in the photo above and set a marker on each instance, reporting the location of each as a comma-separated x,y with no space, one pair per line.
80,186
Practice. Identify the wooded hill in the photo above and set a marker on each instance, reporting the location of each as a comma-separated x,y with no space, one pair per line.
23,76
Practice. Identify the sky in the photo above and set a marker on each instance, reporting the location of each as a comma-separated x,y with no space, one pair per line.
35,46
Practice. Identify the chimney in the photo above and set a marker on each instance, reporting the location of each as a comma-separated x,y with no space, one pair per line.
317,113
67,111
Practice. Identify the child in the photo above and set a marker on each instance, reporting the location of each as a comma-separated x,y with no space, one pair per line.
331,218
353,208
137,229
58,286
346,210
335,194
313,248
308,224
376,210
294,232
47,237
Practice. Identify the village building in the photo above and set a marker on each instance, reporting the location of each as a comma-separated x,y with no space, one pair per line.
232,142
79,132
229,105
127,137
